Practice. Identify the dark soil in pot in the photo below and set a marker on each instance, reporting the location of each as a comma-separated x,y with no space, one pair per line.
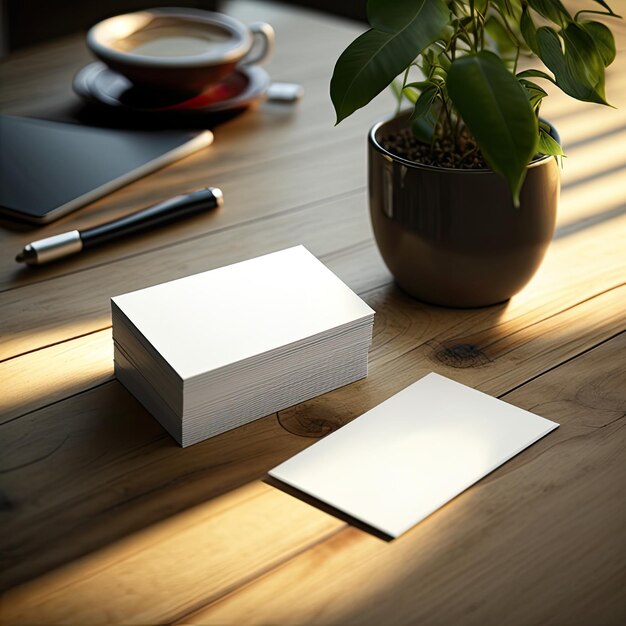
442,153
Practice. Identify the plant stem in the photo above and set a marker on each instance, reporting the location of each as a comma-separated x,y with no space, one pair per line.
512,35
474,30
404,79
448,118
595,13
457,130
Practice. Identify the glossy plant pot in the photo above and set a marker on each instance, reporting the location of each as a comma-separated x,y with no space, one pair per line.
453,237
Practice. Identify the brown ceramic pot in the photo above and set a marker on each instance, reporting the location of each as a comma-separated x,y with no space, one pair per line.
453,237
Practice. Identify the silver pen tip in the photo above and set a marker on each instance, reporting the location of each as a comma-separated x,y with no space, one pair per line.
21,257
219,196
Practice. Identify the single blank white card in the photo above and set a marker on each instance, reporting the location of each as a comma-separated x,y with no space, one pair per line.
405,458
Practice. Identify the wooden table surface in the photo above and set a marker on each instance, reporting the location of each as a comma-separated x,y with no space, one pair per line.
106,520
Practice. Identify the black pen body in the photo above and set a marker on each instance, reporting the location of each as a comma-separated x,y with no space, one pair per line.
65,244
157,215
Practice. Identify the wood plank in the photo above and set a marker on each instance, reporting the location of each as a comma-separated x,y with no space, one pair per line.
562,338
54,481
536,542
263,138
63,370
310,126
239,535
46,313
41,378
106,468
490,354
76,304
56,364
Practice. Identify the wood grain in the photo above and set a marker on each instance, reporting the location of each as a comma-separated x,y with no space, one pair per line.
238,536
47,375
44,377
44,313
280,135
140,476
106,520
55,596
533,543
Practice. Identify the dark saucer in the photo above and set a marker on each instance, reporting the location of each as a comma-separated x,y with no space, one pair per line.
98,83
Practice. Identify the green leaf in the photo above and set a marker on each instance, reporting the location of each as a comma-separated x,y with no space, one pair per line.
529,32
403,28
424,102
419,85
535,74
411,91
578,69
534,87
444,62
607,7
535,93
496,110
583,58
552,10
548,145
603,39
509,7
423,127
393,17
410,94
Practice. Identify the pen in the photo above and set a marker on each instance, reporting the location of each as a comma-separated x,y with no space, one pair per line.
65,244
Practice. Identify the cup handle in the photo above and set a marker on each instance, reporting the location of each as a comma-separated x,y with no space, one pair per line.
264,32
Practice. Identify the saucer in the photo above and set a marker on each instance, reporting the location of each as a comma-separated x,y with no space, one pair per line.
98,83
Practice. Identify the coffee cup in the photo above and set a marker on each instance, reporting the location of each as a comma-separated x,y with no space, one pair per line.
178,49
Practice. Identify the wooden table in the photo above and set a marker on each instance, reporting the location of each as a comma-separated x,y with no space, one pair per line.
106,520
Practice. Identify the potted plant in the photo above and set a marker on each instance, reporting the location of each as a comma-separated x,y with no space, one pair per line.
464,185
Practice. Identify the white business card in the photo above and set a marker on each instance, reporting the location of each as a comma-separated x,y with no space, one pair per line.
203,322
405,458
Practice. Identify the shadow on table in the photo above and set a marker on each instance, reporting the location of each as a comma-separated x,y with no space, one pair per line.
97,467
326,508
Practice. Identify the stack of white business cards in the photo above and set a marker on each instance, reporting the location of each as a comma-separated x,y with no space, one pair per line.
210,352
405,458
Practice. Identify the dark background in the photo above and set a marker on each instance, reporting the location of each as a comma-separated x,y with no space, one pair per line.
25,22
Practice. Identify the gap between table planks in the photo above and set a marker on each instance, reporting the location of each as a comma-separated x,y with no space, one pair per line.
72,366
594,201
262,197
517,499
445,345
590,203
129,482
497,550
267,140
308,127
